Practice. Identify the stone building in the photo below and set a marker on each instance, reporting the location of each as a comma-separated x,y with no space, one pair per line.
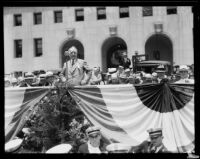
36,37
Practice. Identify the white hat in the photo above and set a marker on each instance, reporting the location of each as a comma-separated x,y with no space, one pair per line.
93,130
155,132
29,74
127,70
112,70
118,147
183,67
62,148
148,75
13,145
42,75
154,74
73,49
20,79
49,73
120,66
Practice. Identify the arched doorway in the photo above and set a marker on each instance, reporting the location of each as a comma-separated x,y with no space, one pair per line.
66,45
110,52
159,47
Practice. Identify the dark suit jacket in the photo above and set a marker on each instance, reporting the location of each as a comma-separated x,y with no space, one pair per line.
124,63
144,147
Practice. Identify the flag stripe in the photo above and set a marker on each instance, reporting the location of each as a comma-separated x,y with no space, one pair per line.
127,108
19,103
92,104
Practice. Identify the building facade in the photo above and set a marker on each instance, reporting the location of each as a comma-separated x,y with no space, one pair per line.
36,37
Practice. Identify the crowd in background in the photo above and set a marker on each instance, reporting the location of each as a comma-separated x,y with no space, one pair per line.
181,74
75,71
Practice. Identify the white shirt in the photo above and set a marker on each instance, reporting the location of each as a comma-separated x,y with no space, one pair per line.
93,149
186,80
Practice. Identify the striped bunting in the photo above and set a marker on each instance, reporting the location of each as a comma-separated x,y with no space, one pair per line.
19,103
126,112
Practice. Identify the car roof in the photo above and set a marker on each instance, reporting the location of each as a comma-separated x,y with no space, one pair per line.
153,63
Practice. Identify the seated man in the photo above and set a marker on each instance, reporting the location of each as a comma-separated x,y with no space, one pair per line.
184,75
155,145
94,144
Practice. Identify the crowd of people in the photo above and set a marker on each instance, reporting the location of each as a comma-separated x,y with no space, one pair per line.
77,72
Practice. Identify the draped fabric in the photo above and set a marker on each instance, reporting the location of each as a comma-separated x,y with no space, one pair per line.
19,103
126,112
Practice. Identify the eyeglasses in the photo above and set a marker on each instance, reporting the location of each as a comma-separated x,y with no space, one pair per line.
93,136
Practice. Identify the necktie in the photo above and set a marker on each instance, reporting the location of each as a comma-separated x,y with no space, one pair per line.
72,62
153,149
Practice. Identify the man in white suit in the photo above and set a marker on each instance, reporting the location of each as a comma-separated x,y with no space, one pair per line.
75,70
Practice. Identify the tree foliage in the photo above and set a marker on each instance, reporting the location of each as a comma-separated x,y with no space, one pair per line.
56,119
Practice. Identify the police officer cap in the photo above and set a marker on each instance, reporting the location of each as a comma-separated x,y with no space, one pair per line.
13,145
92,130
114,147
155,132
62,148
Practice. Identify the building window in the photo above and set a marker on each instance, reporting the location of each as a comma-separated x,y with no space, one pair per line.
123,12
17,20
38,47
58,16
79,15
37,18
171,10
101,13
18,48
147,11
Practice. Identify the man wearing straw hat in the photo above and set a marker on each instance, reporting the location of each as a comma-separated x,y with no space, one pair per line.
73,70
184,74
161,73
